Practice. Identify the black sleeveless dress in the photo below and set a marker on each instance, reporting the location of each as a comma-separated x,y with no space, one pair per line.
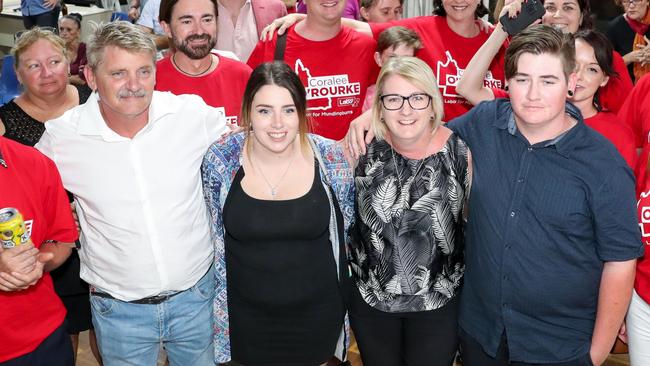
73,291
284,300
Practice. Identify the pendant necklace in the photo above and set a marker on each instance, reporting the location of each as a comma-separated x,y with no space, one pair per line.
274,188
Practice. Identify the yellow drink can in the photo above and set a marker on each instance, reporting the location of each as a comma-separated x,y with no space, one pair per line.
12,228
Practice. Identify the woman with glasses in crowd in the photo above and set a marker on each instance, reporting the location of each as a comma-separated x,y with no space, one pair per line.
406,245
629,34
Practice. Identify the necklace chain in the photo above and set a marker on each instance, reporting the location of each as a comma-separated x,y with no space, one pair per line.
188,73
274,188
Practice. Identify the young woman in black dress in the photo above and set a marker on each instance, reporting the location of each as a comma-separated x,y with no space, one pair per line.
281,201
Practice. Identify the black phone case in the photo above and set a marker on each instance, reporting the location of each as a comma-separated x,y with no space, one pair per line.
531,10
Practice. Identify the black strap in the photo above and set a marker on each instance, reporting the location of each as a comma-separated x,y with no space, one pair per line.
280,45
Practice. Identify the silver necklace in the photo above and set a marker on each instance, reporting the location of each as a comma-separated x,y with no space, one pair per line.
274,188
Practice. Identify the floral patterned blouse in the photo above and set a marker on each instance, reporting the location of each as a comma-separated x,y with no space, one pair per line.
406,247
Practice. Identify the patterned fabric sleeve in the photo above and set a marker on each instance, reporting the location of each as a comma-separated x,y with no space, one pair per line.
220,164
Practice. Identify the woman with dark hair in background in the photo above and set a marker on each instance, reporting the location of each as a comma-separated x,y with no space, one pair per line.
281,202
70,31
629,34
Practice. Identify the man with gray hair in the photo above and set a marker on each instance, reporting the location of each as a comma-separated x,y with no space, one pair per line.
132,159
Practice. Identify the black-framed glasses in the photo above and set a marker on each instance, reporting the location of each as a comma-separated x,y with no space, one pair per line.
631,2
393,102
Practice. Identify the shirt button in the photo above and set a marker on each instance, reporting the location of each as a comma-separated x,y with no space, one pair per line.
512,214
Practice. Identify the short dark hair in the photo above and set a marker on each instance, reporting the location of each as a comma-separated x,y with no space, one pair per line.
280,74
167,7
438,9
585,11
394,36
370,3
537,40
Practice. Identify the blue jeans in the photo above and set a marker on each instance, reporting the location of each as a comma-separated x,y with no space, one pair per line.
131,334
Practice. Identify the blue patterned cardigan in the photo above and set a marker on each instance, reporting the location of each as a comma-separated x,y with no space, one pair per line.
220,164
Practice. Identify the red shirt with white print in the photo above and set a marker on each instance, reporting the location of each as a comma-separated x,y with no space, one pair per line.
335,72
30,183
448,54
223,87
642,280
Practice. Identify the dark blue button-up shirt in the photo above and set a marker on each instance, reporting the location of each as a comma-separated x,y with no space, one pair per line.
542,220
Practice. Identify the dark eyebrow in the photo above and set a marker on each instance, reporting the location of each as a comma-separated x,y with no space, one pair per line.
542,76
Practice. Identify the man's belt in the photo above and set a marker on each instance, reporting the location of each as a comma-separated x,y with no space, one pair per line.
151,300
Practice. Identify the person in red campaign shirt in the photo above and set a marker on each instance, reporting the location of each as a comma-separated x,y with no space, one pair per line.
449,40
193,68
32,315
638,317
635,112
335,64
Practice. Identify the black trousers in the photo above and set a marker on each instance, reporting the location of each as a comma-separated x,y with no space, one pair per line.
56,349
425,338
47,19
473,355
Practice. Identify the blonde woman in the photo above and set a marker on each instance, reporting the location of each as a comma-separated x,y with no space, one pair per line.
407,243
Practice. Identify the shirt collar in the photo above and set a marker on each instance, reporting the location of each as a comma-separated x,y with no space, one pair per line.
564,144
91,122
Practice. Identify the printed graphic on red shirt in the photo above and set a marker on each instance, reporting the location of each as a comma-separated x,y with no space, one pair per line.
643,206
322,89
448,75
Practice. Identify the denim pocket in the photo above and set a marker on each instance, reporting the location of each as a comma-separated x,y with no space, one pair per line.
204,289
101,306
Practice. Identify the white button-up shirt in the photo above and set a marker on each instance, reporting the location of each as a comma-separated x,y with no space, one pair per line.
140,201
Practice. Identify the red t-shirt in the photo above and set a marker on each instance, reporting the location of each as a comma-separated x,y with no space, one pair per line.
612,95
448,54
223,87
635,112
642,280
610,126
31,184
336,74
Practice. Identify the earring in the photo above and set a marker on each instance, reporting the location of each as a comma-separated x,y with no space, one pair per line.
507,88
570,93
